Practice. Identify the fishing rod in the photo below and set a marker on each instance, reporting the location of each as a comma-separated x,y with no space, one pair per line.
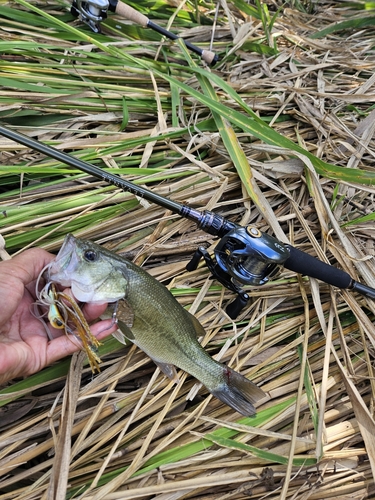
93,12
243,256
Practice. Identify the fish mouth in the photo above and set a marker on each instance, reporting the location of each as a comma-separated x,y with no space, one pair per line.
61,267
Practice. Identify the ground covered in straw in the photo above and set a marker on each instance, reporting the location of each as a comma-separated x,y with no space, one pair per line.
279,134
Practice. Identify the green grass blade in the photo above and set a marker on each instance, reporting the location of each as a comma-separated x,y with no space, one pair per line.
360,220
265,133
267,456
351,24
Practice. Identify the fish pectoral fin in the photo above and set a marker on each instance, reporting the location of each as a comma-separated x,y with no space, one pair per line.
120,337
128,334
168,370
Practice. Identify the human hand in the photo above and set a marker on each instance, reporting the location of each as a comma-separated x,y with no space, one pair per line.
24,344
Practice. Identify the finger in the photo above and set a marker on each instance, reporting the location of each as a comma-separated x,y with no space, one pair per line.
17,273
63,346
103,329
93,311
26,266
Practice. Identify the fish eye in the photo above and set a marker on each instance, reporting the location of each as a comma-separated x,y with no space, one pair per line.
90,255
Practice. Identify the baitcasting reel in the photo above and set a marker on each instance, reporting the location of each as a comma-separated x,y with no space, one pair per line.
250,256
244,256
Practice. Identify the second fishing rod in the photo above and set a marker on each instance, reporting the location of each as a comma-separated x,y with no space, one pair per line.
243,256
93,12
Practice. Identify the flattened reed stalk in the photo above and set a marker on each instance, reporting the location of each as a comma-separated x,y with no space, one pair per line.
279,134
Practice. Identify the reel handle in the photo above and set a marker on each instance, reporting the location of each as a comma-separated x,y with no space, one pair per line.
234,308
218,273
194,261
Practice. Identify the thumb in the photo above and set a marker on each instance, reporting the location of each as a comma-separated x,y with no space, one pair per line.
27,265
15,274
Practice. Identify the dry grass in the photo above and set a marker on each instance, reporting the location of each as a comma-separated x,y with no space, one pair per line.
311,348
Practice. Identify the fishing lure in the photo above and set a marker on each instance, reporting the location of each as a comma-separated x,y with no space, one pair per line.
65,313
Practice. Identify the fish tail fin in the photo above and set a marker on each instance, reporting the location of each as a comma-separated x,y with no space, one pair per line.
238,392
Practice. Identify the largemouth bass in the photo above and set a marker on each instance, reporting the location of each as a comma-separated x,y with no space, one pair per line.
159,326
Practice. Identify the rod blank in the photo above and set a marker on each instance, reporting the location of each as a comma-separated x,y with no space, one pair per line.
90,169
208,221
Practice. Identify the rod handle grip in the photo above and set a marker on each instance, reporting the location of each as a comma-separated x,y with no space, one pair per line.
126,11
303,263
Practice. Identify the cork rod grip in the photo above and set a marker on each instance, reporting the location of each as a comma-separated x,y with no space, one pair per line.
124,10
208,56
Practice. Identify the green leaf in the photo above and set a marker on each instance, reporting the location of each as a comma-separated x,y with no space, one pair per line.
265,455
247,8
351,24
21,85
125,114
360,220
